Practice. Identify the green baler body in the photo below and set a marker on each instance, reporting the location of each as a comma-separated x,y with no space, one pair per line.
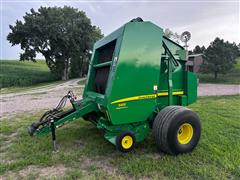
134,73
136,63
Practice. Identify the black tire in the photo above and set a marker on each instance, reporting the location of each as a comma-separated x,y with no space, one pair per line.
120,145
168,126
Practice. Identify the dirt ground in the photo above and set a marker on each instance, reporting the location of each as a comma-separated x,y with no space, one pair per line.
48,97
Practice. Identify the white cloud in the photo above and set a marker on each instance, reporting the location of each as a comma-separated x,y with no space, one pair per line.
205,20
206,30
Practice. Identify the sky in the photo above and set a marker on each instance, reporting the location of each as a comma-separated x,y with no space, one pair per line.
206,20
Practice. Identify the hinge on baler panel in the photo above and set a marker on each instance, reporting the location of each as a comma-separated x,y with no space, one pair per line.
108,116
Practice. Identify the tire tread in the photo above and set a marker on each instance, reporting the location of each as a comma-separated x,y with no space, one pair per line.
161,125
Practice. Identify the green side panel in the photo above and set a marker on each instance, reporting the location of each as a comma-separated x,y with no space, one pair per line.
137,71
183,100
177,50
191,87
177,74
116,35
182,54
177,81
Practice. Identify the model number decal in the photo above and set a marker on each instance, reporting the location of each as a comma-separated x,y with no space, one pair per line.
122,106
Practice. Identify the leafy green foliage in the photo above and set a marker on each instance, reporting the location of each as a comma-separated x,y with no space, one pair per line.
172,35
86,155
61,35
232,77
198,50
15,73
79,66
220,57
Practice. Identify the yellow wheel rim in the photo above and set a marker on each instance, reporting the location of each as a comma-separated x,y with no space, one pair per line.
127,142
185,133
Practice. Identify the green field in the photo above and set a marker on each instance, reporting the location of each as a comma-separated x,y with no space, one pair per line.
85,154
18,74
232,77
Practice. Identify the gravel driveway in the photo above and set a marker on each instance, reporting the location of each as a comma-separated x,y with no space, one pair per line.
37,99
217,89
48,97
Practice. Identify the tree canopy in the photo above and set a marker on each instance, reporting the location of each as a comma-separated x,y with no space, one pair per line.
63,35
172,35
220,57
199,50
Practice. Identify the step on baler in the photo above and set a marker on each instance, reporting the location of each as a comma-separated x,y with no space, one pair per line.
137,82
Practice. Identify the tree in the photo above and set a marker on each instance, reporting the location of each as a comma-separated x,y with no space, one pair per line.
220,57
171,35
63,36
239,49
199,50
190,52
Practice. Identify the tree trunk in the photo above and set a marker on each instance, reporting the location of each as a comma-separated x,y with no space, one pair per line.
65,75
215,75
81,68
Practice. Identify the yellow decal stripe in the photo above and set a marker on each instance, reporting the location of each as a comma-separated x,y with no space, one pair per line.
178,93
148,96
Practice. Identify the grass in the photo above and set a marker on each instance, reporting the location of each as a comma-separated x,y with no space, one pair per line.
85,154
18,74
231,77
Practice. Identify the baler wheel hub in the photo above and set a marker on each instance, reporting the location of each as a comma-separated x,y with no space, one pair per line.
185,133
127,142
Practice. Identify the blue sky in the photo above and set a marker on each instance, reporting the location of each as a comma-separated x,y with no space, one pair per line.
204,19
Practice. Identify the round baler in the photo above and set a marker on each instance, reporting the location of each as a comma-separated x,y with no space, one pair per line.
137,83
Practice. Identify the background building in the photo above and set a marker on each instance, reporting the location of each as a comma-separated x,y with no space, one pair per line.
194,62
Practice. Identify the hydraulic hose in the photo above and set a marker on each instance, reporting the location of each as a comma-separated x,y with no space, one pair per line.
51,114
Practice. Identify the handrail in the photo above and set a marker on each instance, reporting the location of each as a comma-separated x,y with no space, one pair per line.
108,63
